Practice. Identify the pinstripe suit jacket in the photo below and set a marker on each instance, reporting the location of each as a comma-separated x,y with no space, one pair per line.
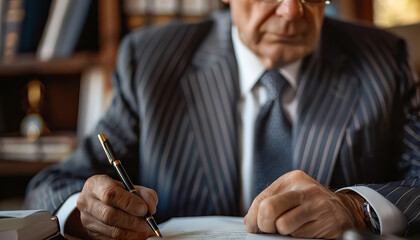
173,120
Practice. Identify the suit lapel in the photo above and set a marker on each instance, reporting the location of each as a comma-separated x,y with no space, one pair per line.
211,92
327,95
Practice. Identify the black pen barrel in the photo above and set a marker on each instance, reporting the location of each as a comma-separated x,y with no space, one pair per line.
130,187
109,151
124,176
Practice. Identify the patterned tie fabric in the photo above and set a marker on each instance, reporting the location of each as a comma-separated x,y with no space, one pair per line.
273,151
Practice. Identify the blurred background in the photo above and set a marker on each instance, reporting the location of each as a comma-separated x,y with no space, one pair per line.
57,57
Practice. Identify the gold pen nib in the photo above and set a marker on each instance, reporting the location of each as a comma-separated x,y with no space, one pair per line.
158,233
102,137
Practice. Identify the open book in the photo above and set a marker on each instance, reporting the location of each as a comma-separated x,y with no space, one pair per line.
211,227
27,224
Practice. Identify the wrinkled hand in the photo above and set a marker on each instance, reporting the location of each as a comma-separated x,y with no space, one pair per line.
109,211
297,205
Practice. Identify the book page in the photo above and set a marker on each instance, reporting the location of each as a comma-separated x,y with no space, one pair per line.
211,227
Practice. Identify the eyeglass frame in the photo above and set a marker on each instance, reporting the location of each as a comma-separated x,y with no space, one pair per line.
326,2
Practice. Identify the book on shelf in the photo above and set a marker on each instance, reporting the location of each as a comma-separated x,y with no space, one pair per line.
165,7
65,23
3,5
140,13
12,22
196,7
28,224
36,13
46,148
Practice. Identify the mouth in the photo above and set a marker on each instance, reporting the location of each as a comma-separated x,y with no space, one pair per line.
278,37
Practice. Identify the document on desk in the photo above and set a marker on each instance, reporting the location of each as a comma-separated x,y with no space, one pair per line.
211,227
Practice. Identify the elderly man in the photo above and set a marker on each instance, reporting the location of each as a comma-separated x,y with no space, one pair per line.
261,108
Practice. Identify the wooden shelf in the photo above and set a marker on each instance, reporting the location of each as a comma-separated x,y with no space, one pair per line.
29,64
21,168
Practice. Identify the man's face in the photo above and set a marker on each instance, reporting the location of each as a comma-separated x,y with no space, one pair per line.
277,33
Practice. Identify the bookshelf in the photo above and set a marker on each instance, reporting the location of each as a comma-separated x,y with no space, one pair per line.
62,79
28,64
68,81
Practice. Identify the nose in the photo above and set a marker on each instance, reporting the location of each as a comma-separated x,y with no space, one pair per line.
290,9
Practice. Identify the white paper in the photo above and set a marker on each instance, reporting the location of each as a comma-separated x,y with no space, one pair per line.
211,227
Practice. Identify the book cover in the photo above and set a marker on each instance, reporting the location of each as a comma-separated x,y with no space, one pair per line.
12,28
73,26
62,31
28,224
3,7
36,14
22,218
52,28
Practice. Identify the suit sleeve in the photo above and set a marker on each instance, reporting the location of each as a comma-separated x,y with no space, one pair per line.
405,194
52,186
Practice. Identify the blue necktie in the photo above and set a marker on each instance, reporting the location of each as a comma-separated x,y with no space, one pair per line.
273,151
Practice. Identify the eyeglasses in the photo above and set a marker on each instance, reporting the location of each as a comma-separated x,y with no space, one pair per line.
307,2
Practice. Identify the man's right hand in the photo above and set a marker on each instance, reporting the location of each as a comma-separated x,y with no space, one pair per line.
109,211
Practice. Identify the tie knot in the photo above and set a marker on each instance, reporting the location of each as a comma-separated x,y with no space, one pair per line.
274,83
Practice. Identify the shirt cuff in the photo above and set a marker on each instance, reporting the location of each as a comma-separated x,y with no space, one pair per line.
65,210
391,219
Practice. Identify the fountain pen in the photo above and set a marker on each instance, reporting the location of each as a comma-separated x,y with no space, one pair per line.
113,160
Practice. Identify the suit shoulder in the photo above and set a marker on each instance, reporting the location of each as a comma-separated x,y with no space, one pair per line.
358,38
164,36
359,32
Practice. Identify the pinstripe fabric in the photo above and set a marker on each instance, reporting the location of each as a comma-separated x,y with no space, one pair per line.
173,120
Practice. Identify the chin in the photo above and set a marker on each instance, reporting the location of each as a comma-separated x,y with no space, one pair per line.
278,57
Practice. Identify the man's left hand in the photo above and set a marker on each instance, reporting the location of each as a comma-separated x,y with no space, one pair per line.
297,205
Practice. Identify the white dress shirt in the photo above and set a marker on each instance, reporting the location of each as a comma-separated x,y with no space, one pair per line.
253,96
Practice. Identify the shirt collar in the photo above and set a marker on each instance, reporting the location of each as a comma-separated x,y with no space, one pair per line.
250,67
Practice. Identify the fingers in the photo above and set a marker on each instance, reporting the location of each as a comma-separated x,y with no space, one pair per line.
149,196
112,216
297,205
108,210
297,217
273,207
264,214
250,219
100,230
113,193
325,229
120,198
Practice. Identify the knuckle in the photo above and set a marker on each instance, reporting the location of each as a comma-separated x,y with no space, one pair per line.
91,181
324,205
81,203
297,173
297,195
109,194
267,208
260,198
88,182
118,233
108,215
283,225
